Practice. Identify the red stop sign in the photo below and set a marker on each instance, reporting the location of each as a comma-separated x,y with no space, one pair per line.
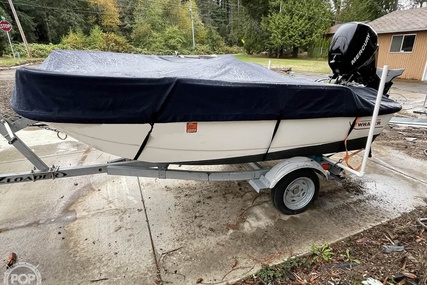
5,26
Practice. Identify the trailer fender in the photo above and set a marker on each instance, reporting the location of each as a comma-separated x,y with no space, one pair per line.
280,170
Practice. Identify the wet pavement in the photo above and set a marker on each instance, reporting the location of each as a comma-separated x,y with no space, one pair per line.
126,230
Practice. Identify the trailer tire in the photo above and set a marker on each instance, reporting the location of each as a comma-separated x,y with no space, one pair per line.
295,192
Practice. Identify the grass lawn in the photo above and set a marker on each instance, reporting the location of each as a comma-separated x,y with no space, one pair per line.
304,65
7,61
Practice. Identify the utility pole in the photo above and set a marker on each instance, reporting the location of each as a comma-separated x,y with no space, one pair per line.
192,23
20,28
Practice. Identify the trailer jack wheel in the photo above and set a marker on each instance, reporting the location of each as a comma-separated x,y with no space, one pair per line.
295,192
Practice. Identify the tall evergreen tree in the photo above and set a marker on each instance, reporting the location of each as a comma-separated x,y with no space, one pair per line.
365,10
49,20
166,25
295,24
126,16
109,15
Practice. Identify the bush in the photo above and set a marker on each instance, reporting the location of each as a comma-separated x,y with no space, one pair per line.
202,49
75,40
165,44
17,48
37,50
137,50
214,41
233,50
173,38
142,35
41,50
116,43
97,40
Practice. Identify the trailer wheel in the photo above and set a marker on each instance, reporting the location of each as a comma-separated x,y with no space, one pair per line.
295,192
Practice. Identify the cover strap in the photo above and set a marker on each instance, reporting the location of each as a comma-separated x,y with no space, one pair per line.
144,143
348,155
154,119
272,138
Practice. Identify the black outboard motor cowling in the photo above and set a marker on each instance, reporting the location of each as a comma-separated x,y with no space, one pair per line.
352,55
352,48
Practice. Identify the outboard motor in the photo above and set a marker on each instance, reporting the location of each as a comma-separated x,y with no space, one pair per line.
352,56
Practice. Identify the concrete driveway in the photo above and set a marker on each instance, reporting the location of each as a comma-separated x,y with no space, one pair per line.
126,230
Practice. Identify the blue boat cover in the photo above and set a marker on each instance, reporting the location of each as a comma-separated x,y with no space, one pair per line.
104,87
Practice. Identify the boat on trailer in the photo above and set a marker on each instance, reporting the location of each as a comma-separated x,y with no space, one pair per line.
196,110
154,111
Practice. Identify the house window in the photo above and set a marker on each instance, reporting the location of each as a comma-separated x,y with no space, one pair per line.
402,43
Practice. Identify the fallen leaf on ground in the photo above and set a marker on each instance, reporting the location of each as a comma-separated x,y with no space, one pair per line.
11,259
234,264
371,281
419,239
393,248
409,275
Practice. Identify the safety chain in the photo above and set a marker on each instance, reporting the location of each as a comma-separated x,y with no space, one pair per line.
46,127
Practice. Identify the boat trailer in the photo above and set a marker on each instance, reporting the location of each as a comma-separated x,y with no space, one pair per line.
294,182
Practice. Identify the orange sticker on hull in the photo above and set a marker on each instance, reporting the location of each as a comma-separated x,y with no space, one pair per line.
192,127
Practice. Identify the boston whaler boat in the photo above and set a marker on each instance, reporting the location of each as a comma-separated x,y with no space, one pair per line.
177,110
198,111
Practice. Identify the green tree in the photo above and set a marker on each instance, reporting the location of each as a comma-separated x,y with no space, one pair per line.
126,16
148,22
166,25
53,24
249,32
74,40
24,10
49,20
257,9
214,41
255,39
214,16
365,10
109,16
294,24
95,40
228,18
3,37
173,38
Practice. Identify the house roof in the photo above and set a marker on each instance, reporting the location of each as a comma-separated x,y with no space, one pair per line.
401,21
332,30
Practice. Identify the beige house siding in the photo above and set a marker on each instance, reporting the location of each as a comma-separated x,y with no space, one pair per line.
413,62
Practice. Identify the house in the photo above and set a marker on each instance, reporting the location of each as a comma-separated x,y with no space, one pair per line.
402,39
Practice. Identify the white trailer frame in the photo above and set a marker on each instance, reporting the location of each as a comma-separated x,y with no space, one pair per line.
259,177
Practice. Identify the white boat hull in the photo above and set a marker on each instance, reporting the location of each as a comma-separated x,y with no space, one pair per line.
223,142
